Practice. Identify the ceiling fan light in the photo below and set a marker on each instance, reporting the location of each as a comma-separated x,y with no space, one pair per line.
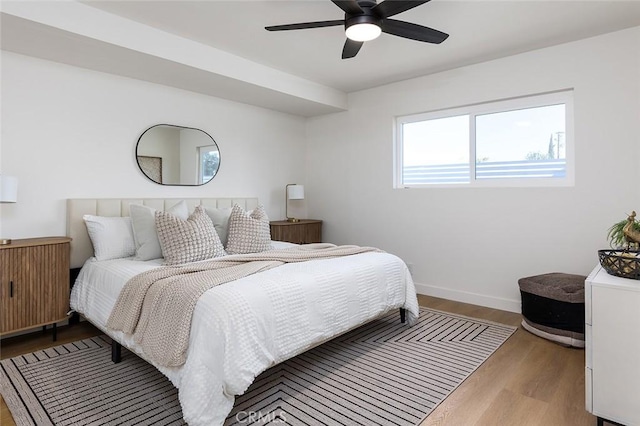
363,32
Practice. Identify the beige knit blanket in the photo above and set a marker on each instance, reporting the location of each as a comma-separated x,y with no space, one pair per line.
156,306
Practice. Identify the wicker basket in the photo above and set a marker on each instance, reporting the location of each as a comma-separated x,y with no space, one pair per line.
621,263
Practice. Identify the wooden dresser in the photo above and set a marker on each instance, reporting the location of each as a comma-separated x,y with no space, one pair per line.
34,283
305,231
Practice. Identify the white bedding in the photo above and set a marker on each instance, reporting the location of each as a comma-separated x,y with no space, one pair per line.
241,328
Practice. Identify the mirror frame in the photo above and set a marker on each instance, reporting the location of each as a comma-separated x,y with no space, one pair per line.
181,128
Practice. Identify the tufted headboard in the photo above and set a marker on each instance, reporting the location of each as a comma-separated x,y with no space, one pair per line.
81,248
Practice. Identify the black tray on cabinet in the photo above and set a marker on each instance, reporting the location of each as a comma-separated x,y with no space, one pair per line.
621,263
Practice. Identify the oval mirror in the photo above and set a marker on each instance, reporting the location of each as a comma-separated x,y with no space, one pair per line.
176,155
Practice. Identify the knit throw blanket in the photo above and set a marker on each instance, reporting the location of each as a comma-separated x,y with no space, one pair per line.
156,306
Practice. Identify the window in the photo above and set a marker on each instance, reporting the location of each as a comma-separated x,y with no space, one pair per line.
518,142
208,163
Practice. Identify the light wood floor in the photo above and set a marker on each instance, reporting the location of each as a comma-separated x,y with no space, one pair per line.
528,381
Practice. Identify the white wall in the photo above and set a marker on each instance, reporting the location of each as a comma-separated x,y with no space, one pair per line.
71,133
473,244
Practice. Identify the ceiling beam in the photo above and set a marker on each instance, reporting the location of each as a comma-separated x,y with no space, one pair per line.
79,35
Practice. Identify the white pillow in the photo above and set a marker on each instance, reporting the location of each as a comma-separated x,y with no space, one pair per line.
220,219
188,240
145,234
248,232
281,245
112,237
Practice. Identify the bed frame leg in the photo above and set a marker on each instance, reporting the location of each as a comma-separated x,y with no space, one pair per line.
403,315
116,352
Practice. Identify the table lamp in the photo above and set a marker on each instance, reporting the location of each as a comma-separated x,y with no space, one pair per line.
293,192
8,194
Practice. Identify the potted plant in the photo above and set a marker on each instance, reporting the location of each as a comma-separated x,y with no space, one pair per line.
626,233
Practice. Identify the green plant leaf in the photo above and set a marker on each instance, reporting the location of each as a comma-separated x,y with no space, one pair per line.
616,234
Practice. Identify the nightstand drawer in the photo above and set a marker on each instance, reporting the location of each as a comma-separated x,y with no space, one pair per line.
305,231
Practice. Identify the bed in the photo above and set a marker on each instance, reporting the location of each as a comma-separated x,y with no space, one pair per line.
243,327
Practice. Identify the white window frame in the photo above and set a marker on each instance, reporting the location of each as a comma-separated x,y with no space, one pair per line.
200,151
540,100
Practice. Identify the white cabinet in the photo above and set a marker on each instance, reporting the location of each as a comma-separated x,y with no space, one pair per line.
612,335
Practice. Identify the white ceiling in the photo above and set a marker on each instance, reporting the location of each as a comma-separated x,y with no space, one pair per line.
479,30
221,48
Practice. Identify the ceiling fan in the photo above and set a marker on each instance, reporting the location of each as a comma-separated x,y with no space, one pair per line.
364,20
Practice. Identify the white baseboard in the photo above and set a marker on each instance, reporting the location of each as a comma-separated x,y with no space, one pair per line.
467,297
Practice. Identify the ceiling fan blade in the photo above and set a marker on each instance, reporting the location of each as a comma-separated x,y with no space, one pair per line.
351,48
305,25
349,6
393,7
413,31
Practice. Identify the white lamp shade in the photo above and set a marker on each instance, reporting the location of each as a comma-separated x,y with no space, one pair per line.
8,189
296,192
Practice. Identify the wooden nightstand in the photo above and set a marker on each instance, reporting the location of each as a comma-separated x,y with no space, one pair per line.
34,283
305,231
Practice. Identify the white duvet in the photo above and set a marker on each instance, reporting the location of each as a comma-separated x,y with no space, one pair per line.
241,328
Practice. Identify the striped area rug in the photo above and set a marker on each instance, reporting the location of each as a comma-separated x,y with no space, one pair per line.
383,373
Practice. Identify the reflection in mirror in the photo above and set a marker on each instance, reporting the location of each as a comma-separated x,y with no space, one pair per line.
176,155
